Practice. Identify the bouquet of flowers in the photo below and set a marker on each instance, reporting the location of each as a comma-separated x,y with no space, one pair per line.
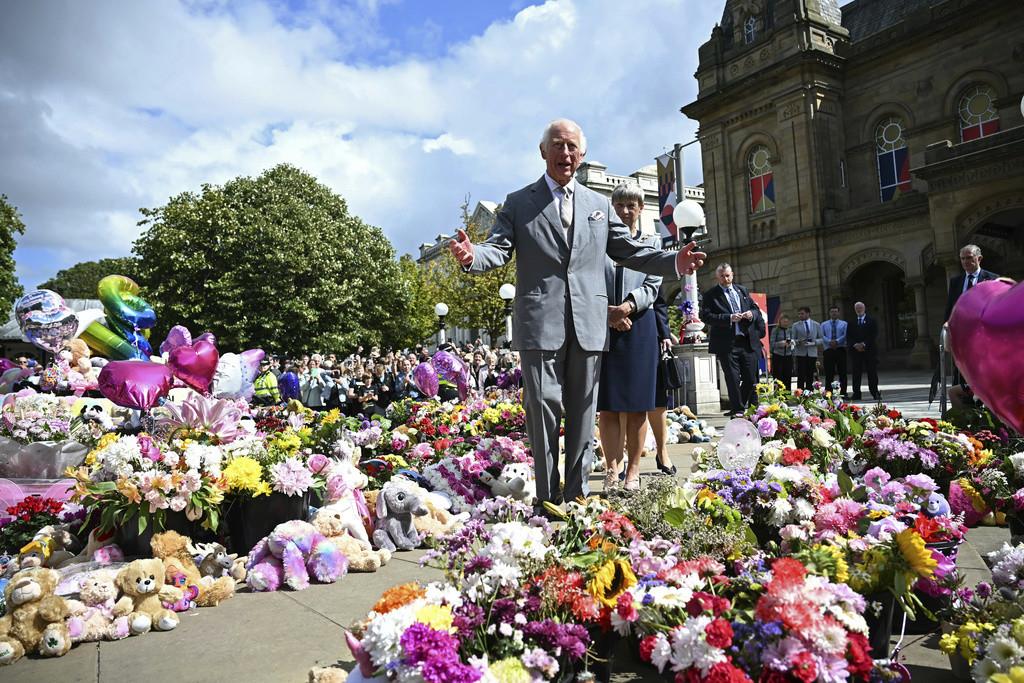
254,468
28,517
127,477
40,417
458,476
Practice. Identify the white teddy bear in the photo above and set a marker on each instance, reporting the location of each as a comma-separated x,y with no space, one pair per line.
516,480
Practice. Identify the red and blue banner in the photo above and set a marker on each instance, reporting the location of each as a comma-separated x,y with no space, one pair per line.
894,173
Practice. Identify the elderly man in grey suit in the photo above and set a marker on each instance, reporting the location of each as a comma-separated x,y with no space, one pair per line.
560,232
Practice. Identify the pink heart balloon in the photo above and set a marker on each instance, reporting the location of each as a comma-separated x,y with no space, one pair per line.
135,384
195,365
178,336
985,332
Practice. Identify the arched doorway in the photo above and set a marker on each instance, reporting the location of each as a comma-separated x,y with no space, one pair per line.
881,285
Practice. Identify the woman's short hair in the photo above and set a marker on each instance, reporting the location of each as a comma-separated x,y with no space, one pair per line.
628,192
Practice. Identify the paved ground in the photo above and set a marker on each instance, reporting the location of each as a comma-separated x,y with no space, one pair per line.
278,636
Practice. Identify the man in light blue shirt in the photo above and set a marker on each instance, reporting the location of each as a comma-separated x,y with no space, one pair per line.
833,334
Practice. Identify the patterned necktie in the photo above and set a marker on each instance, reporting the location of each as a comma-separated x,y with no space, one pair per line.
834,331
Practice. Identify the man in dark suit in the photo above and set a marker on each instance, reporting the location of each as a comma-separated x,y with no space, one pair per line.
735,327
862,337
970,259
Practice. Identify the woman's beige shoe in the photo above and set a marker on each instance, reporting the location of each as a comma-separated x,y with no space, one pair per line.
632,484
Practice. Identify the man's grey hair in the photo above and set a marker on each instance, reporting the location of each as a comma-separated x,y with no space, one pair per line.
546,137
628,192
859,303
972,249
722,267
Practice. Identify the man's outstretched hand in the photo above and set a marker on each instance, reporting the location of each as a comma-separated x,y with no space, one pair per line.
688,260
462,249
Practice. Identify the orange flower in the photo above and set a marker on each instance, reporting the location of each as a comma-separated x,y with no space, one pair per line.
399,596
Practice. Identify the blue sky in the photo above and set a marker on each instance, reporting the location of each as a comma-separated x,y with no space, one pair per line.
404,107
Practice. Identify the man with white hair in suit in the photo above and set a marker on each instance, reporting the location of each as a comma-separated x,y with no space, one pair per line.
560,232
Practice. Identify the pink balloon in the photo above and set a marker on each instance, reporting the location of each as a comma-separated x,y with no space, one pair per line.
135,384
195,365
425,378
178,336
985,332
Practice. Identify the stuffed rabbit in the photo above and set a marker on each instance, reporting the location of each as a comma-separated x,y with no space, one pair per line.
394,528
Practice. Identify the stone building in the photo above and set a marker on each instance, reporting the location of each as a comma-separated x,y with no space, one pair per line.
850,152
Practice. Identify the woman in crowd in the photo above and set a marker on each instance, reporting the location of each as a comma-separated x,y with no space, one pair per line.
315,384
782,345
629,366
664,397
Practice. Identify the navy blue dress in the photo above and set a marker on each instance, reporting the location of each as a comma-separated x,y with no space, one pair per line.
629,367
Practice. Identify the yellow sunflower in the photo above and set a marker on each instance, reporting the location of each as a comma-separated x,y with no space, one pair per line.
917,555
610,581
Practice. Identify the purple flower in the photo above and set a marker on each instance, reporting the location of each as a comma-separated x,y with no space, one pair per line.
984,590
767,426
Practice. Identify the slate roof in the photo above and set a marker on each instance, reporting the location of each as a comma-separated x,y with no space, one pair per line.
864,18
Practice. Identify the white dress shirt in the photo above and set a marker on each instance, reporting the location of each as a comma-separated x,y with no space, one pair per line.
557,191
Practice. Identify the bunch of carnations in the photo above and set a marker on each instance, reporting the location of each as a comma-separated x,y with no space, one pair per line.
802,626
126,477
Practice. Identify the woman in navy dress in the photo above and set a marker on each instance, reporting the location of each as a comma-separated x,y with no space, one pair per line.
629,366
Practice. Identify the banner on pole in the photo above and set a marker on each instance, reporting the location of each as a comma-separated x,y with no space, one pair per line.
667,198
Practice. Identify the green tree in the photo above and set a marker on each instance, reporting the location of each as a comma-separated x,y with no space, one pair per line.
417,290
10,226
473,299
80,280
275,261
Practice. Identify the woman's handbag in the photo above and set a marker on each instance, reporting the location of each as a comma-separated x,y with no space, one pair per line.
671,369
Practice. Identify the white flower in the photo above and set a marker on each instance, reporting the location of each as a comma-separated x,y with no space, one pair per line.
382,638
1017,460
804,509
779,514
1004,652
661,652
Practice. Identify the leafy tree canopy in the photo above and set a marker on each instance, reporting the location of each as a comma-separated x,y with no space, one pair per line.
275,261
80,280
10,226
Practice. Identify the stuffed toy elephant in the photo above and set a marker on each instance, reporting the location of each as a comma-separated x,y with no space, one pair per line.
394,529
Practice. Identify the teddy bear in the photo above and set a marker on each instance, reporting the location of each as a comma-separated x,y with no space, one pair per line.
208,591
92,614
329,520
396,506
35,616
438,521
292,553
175,574
516,480
81,376
143,594
100,549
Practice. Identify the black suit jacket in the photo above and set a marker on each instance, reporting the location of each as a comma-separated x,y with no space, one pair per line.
866,334
956,288
661,317
715,312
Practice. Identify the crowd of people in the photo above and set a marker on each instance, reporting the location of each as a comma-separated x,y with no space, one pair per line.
368,381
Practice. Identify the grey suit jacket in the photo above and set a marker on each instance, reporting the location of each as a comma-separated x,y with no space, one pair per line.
641,286
555,280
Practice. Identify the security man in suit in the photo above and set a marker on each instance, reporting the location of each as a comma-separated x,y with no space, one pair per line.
807,335
970,259
735,328
833,336
862,336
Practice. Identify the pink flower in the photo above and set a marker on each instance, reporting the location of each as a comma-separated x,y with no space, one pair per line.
317,462
149,449
767,426
290,477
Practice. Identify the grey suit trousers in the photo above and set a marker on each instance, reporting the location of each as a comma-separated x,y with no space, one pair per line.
553,380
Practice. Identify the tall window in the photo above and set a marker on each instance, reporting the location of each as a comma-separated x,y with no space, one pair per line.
893,159
750,30
978,114
762,183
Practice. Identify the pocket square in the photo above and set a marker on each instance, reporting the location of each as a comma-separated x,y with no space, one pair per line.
597,215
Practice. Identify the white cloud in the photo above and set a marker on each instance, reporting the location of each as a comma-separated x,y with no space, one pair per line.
107,107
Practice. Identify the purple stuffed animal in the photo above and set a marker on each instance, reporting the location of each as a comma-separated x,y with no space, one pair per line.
292,553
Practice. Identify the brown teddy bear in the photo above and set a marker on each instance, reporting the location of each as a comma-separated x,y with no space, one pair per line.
92,615
143,593
361,556
171,544
35,617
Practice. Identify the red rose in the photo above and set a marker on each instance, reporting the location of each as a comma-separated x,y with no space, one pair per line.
858,656
718,634
647,647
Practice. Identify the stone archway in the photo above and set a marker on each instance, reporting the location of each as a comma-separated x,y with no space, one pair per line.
882,285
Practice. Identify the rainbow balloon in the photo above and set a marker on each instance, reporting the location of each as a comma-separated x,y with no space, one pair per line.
129,319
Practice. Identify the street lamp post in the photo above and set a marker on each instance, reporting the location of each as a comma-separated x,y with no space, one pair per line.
507,293
440,310
691,223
